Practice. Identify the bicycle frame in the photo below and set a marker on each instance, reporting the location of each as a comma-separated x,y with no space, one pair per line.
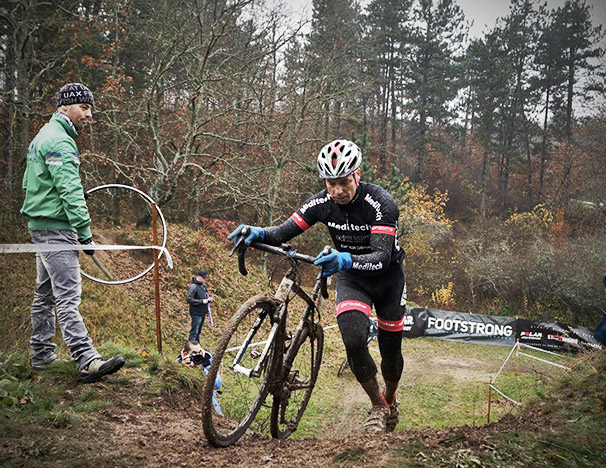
270,358
287,285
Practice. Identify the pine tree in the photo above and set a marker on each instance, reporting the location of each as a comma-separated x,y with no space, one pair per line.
387,38
577,36
433,69
333,54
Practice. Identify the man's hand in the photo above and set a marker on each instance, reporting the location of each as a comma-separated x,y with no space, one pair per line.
333,262
186,359
207,300
254,233
88,241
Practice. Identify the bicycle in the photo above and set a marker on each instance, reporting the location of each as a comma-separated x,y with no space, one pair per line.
261,356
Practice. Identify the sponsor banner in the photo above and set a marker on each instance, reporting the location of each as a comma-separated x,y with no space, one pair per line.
555,336
459,326
494,330
415,322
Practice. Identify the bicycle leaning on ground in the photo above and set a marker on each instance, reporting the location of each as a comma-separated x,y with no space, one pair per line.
261,352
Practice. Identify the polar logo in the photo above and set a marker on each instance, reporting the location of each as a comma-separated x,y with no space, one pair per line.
464,326
531,335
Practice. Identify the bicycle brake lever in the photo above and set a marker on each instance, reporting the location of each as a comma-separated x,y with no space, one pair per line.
236,246
241,261
324,280
323,286
241,236
240,247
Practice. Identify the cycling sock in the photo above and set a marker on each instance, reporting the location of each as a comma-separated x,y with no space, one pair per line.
380,402
390,401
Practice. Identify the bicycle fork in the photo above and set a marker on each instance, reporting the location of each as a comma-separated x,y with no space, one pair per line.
281,294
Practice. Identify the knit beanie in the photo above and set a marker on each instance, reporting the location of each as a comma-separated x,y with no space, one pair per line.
74,93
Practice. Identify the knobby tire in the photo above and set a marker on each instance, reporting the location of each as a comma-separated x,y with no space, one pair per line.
241,397
300,369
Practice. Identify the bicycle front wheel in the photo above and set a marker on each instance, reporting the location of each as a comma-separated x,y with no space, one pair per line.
243,363
299,374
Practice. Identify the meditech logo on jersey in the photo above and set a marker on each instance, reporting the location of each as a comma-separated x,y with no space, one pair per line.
349,227
367,266
313,202
531,335
376,205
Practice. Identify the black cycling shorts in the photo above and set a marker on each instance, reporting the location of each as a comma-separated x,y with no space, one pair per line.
355,297
386,291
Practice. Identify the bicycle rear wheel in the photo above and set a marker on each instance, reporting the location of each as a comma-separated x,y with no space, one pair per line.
299,374
240,352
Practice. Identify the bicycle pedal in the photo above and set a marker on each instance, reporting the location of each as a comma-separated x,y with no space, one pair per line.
255,353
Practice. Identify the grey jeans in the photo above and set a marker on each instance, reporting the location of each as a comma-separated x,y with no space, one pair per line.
58,286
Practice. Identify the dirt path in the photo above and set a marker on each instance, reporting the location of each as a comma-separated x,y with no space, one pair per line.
164,432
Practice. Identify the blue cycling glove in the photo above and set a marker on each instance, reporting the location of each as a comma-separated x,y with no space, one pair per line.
255,233
333,262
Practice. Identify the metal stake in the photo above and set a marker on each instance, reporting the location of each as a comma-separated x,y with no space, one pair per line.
156,279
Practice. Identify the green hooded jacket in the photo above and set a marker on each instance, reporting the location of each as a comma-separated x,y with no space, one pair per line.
54,197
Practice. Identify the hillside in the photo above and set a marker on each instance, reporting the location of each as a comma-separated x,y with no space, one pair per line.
147,415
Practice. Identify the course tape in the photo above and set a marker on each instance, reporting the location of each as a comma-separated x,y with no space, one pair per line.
35,248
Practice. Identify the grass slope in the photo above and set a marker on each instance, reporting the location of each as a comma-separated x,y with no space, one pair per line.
443,393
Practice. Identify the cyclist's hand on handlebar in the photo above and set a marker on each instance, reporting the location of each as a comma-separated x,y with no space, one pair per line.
254,233
333,262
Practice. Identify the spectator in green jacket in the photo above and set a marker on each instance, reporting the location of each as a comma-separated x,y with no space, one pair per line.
57,212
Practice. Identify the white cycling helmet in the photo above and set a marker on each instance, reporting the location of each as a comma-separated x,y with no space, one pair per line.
339,158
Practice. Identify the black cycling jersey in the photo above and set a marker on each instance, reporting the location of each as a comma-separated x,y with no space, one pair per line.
366,227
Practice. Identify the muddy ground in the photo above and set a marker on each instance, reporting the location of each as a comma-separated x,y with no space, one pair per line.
138,431
165,432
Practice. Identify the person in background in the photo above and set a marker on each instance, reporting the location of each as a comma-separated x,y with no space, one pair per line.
198,300
56,208
193,355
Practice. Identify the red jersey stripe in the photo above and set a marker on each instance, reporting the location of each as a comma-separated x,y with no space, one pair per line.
389,230
299,221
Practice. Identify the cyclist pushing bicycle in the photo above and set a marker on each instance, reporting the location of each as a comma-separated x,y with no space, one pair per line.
362,219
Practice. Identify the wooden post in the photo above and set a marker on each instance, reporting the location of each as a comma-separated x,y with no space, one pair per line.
489,399
156,279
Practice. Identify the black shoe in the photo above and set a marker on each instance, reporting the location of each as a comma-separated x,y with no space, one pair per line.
97,368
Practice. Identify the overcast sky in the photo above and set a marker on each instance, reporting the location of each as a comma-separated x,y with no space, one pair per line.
483,13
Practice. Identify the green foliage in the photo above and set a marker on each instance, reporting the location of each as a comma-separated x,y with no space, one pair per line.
520,264
12,369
